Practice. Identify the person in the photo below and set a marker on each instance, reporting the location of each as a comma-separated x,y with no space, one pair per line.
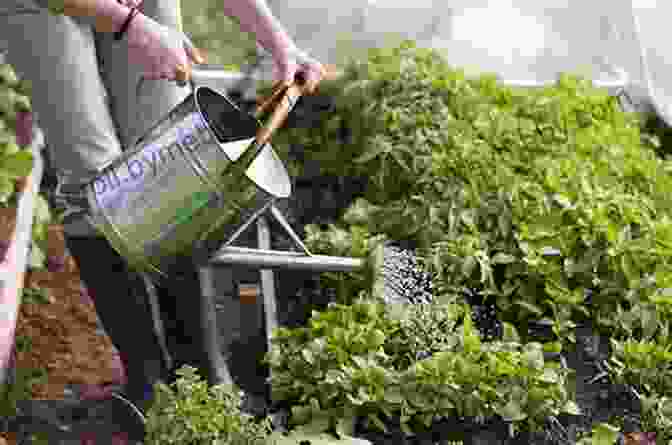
84,59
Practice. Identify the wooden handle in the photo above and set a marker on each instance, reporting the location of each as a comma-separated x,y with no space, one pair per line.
283,98
183,74
279,115
269,102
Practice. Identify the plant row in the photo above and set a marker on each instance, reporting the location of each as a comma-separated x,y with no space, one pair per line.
552,203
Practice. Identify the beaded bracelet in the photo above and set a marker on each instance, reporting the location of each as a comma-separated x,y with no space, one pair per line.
120,34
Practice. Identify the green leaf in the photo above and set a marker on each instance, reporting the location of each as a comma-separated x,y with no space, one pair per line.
512,412
301,414
649,322
36,257
470,337
8,77
605,434
358,213
503,258
17,165
345,426
56,7
400,160
6,188
510,333
536,310
572,408
11,147
370,154
468,266
533,356
553,347
549,376
394,396
36,295
308,356
42,212
318,424
298,438
373,418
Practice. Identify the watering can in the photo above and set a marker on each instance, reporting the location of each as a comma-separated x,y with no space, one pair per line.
195,181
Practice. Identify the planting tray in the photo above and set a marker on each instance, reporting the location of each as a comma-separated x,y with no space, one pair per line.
17,228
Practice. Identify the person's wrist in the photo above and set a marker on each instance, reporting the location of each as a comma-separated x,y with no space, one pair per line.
134,35
280,44
123,30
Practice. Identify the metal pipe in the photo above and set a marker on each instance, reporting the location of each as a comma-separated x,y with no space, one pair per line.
267,284
286,260
248,250
288,229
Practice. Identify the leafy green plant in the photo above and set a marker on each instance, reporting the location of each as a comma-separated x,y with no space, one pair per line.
20,389
301,438
657,417
353,241
41,220
644,364
411,363
536,197
509,380
36,295
191,412
15,162
422,331
602,434
21,384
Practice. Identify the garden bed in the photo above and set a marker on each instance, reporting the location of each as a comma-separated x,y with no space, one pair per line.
493,149
322,200
62,352
66,336
52,343
16,215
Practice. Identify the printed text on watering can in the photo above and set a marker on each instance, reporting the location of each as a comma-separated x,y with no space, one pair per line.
154,156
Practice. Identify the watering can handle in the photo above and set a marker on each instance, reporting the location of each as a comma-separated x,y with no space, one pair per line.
283,98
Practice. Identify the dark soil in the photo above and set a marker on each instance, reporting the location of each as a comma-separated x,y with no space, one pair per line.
66,340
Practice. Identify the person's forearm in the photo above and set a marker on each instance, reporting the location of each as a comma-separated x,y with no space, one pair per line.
109,15
256,18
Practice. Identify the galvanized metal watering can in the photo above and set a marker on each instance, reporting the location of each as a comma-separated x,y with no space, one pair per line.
195,181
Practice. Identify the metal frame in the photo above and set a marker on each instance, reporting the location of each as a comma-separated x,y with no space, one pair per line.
268,260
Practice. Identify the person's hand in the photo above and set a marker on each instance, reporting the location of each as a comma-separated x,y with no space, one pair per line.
292,62
165,53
